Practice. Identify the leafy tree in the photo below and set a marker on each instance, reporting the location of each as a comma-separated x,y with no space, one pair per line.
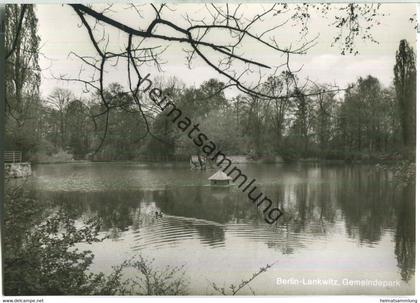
405,87
59,100
324,119
79,128
281,85
125,128
22,77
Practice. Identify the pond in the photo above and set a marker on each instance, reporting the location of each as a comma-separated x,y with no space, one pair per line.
341,222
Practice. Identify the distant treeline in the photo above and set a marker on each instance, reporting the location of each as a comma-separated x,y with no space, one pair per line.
364,121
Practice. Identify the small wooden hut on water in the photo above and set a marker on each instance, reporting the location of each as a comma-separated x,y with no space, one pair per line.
220,178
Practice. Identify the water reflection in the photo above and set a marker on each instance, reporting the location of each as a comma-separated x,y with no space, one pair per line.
318,202
405,234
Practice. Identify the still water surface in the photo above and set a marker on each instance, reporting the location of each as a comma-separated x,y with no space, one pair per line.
342,222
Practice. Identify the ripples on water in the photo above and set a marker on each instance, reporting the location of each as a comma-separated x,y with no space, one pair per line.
341,222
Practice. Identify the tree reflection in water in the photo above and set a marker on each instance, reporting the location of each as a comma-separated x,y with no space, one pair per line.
367,200
405,235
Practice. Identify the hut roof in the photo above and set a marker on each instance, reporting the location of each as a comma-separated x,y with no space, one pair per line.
220,176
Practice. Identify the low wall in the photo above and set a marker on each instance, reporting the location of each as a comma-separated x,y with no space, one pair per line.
17,170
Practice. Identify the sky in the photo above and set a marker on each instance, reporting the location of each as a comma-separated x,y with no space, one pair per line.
60,32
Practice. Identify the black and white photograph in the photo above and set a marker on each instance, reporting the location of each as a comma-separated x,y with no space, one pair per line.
208,149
